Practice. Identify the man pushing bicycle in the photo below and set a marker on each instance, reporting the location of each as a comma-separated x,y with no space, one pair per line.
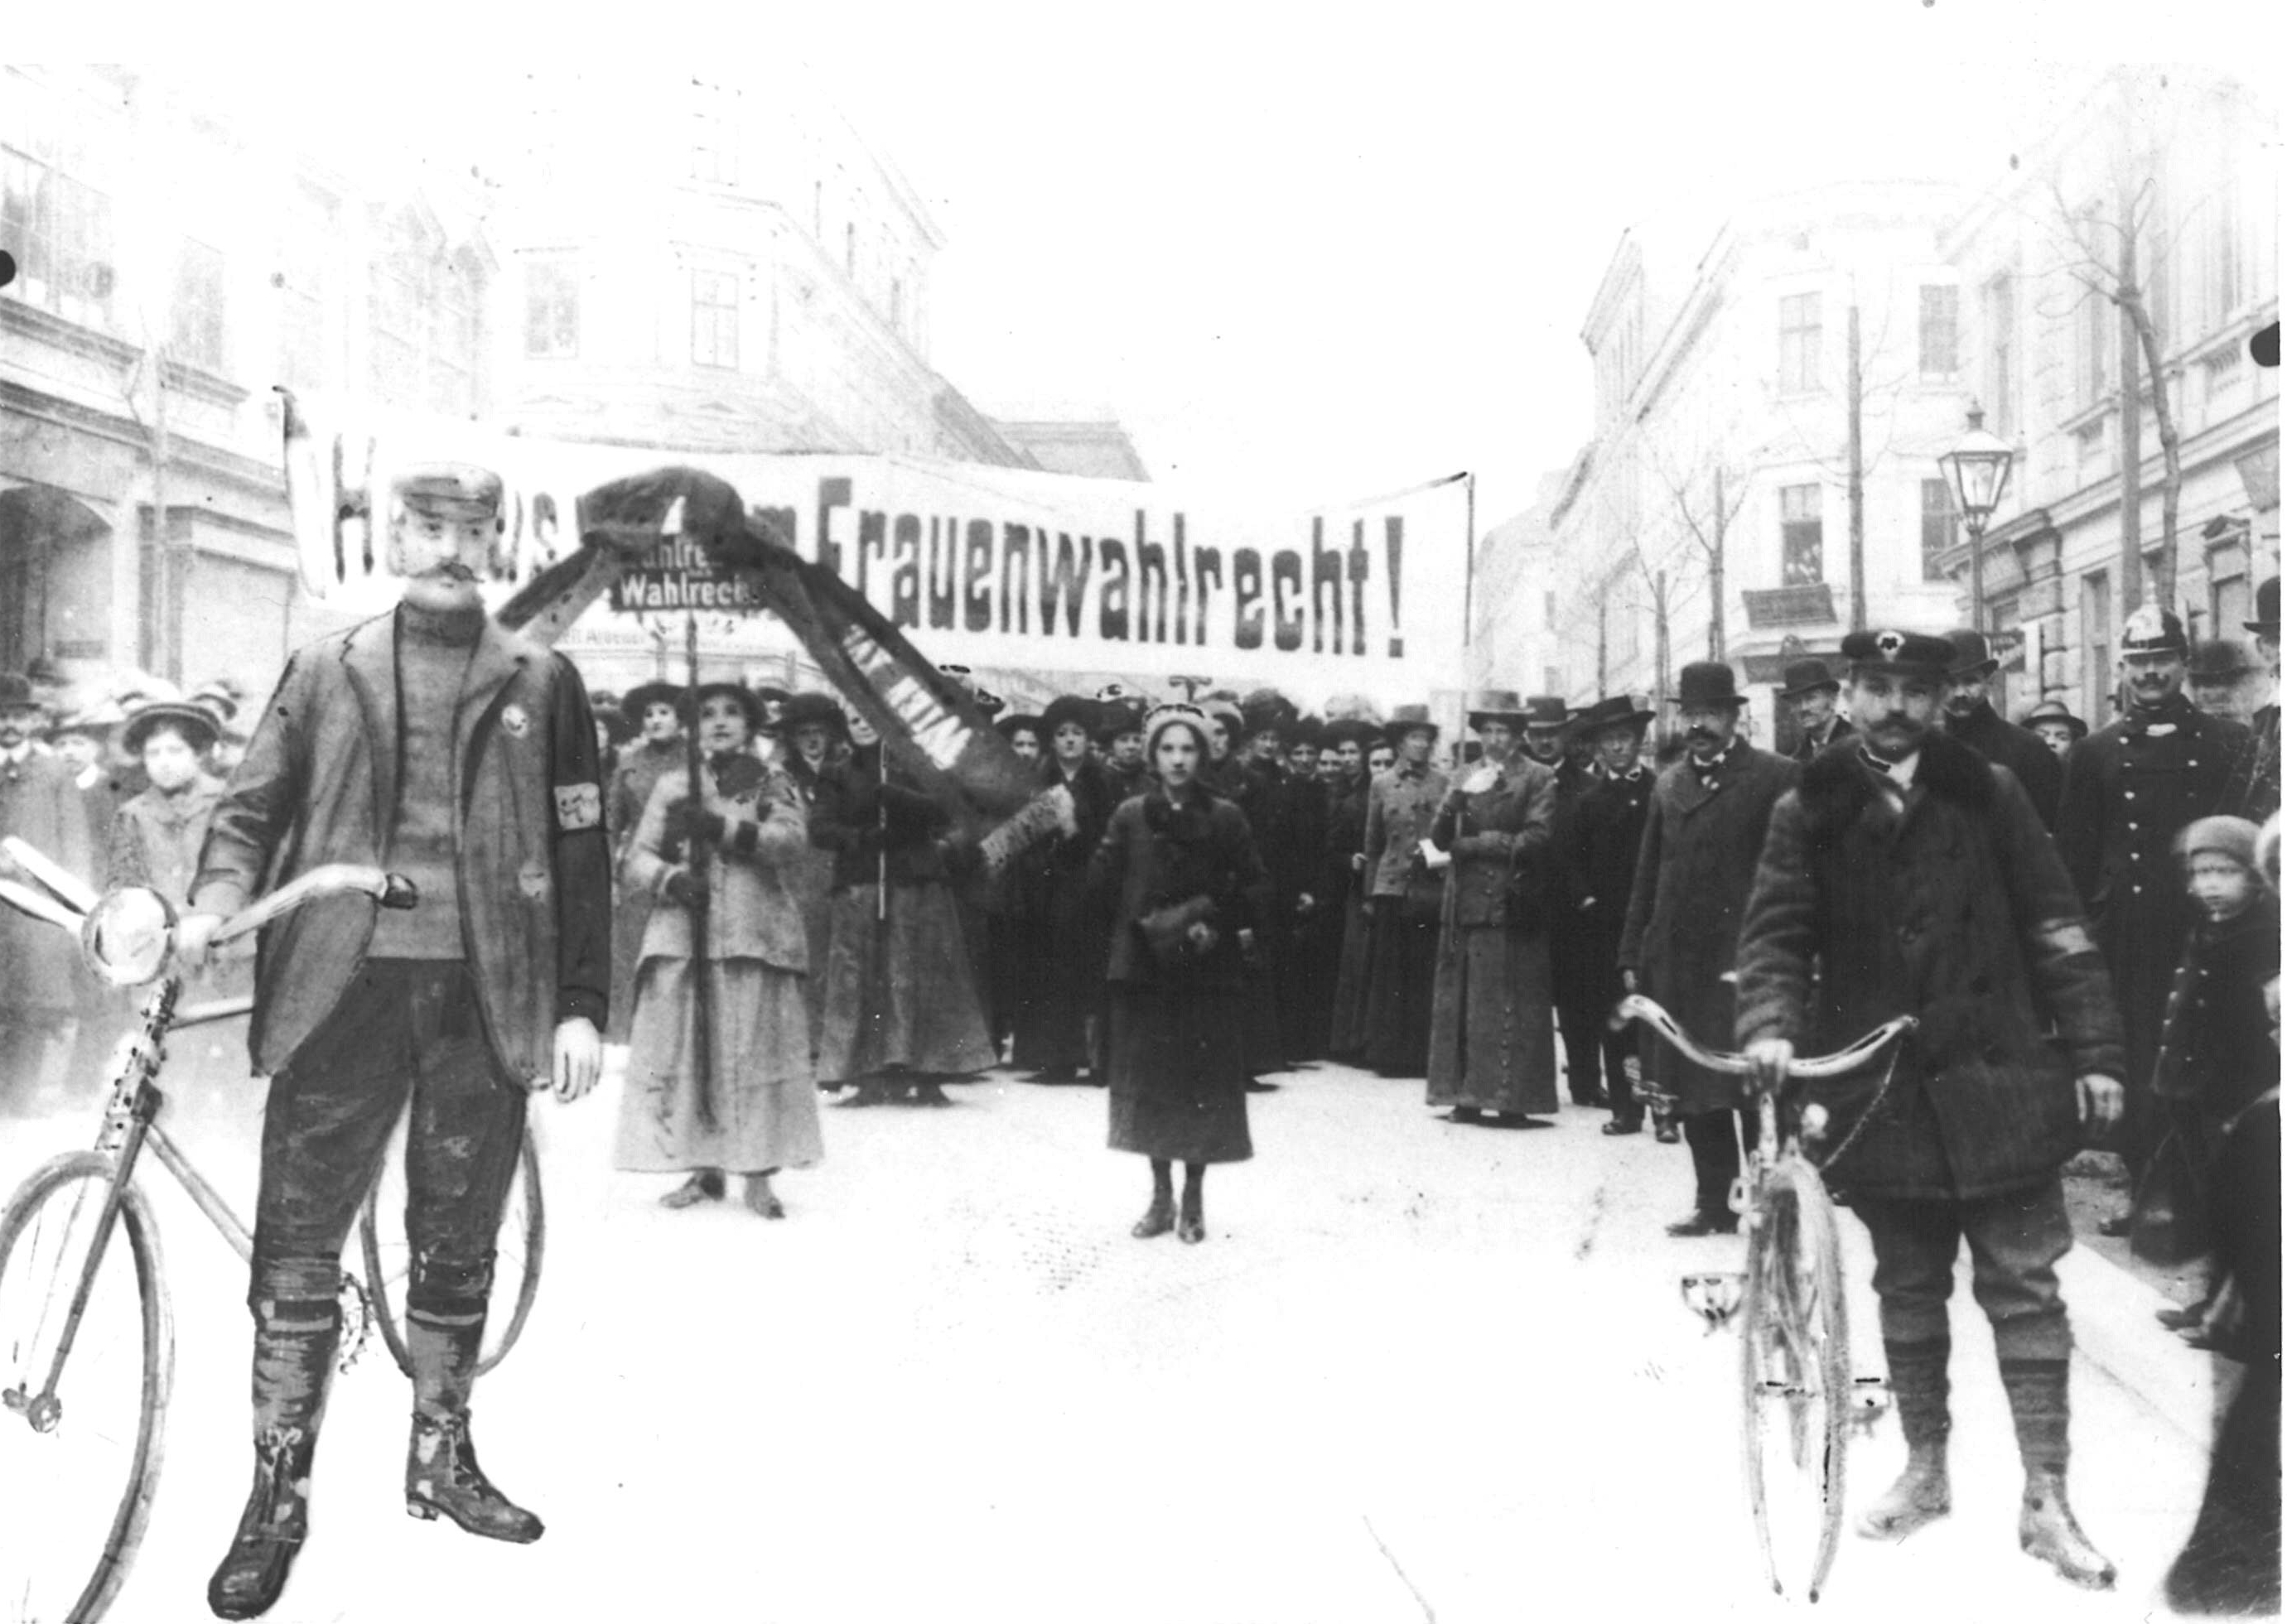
1908,876
431,742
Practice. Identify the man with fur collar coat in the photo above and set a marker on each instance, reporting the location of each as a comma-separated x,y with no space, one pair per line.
1908,876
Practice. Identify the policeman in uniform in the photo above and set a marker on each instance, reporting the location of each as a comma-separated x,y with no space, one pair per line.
431,742
2129,788
1971,718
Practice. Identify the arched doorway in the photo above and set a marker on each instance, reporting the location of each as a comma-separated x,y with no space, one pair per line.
54,577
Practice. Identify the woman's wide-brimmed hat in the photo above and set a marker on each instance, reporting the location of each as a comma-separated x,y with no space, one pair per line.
1348,730
1495,705
1176,714
1225,710
614,720
1082,714
1614,711
1018,721
1708,682
1406,719
197,724
1116,717
813,710
643,696
749,702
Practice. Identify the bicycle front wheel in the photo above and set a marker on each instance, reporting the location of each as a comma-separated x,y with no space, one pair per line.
79,1459
516,1263
1795,1376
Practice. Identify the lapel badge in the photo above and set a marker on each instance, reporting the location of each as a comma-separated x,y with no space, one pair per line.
516,720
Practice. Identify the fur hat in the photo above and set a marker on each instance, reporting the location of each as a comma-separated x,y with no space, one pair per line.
2231,837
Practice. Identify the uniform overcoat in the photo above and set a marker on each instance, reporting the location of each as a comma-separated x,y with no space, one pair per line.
529,851
1490,1042
1949,905
1701,842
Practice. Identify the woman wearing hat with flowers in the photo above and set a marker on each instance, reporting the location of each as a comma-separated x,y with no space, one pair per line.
1406,899
743,1101
1187,889
1491,1046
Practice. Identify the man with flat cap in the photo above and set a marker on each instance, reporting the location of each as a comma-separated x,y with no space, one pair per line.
1910,876
1701,839
1971,718
431,742
1809,690
2129,789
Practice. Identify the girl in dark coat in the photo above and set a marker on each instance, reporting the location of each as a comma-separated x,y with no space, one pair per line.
1190,888
1052,1014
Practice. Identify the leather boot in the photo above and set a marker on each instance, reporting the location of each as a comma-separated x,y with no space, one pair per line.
1920,1388
2039,1403
292,1365
441,1474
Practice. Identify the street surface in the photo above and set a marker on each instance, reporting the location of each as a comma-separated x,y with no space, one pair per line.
1417,1371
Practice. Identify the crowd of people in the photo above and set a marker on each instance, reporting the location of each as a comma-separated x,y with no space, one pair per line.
2085,920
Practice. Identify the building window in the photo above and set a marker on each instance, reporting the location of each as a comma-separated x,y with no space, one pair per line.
715,319
305,285
2001,353
1798,343
1940,327
424,312
714,135
1552,680
1802,536
2096,647
452,339
1941,527
197,335
54,221
551,308
2225,281
2230,604
1549,613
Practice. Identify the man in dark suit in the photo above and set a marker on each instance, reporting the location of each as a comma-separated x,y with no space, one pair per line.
1971,718
1810,688
1598,871
2129,788
1701,841
1549,741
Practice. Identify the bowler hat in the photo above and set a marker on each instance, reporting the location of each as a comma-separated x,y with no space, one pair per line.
16,692
2054,710
1708,682
1495,705
1807,677
1616,711
813,711
2153,630
1906,654
1971,656
643,696
449,490
2218,659
1545,711
749,702
197,724
1081,714
1406,719
2266,608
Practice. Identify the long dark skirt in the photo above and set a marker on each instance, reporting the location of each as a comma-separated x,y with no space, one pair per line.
1401,979
1347,1029
897,993
1063,982
630,917
1178,1073
1490,1045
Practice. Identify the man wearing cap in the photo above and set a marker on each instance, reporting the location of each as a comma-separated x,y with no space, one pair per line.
659,711
1810,690
1606,835
431,742
40,803
1705,831
1971,718
2052,722
1910,876
2129,789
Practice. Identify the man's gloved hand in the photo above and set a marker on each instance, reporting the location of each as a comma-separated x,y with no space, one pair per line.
678,887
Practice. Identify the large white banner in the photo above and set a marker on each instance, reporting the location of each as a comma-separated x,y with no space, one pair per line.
986,566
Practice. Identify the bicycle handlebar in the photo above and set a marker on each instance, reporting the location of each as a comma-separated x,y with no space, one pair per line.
1635,1006
332,879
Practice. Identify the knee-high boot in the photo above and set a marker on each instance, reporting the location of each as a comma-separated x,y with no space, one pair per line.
441,1474
2040,1406
293,1365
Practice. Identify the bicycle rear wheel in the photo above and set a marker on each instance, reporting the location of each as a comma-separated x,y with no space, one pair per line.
515,1270
78,1473
1795,1376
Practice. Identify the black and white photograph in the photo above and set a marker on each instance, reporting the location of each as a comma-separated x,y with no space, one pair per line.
696,704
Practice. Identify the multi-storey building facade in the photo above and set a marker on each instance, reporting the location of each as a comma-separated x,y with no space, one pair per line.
2191,166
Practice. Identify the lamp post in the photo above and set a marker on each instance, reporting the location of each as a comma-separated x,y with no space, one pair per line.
1978,469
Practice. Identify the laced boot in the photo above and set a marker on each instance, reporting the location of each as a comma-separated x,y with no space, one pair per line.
291,1367
441,1474
1920,1388
2040,1406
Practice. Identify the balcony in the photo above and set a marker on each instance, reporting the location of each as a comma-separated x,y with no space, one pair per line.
1811,605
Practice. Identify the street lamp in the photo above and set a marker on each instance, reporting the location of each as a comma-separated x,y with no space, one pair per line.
1979,471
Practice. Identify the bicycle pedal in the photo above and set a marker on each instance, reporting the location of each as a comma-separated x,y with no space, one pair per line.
1869,1401
1737,1200
1715,1297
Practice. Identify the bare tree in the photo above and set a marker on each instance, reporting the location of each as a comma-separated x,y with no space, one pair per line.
1708,525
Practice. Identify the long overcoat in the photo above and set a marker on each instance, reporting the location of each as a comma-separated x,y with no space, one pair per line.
318,785
1950,904
1607,839
1490,1042
1064,925
2021,750
1701,841
639,768
40,803
2129,789
1399,808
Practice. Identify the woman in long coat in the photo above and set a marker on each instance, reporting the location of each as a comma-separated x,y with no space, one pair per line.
1064,919
1345,884
755,1110
660,711
1405,898
902,1012
1189,890
1490,1044
816,729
